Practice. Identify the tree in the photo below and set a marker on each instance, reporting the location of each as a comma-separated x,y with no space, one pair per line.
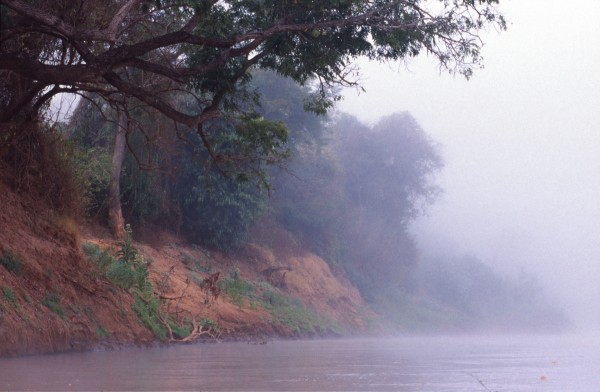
146,50
115,213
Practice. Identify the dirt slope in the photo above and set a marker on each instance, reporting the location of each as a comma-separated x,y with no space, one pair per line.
52,298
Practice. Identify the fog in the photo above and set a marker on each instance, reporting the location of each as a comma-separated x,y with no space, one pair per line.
521,144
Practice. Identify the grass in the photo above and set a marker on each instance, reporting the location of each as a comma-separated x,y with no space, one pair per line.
284,310
148,311
197,265
181,331
52,302
25,297
101,258
11,262
9,294
196,278
291,312
10,297
100,331
236,289
127,270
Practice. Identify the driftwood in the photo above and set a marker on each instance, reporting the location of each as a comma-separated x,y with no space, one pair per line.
198,330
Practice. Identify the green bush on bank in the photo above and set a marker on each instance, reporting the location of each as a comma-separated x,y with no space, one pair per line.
127,269
11,262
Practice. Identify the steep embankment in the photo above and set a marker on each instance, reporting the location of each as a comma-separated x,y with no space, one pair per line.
53,298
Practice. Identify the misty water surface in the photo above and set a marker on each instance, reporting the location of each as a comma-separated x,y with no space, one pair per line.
484,363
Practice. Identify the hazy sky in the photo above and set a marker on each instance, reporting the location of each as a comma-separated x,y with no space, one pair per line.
521,141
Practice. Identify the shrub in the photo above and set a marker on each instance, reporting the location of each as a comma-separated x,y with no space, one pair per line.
122,275
9,295
52,301
129,269
291,313
11,262
147,307
101,258
236,288
101,332
38,158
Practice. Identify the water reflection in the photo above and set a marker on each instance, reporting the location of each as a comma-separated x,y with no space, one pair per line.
406,364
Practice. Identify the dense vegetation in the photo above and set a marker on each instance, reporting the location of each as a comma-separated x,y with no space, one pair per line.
188,64
201,117
347,192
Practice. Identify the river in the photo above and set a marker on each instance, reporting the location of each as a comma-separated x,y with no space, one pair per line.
423,364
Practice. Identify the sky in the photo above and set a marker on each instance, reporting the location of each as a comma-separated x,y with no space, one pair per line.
521,143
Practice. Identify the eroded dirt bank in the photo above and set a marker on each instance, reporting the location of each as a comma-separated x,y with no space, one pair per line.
55,298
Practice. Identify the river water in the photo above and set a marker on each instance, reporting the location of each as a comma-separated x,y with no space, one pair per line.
424,364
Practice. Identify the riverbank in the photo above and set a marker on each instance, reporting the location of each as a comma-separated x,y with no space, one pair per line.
55,297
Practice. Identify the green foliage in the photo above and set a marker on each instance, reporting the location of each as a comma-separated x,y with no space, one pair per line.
141,189
236,289
210,324
291,313
25,297
352,201
181,331
52,301
282,100
9,295
217,211
101,258
122,274
101,332
147,307
11,262
128,253
129,270
93,138
92,172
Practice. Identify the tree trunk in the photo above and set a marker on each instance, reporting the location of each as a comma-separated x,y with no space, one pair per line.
115,214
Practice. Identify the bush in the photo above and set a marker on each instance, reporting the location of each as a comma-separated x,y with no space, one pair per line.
11,262
9,295
147,307
38,158
291,313
236,288
101,258
52,301
217,211
129,269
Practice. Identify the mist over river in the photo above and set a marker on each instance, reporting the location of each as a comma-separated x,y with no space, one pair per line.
481,363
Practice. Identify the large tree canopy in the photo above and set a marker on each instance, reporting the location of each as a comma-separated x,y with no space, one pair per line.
148,50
